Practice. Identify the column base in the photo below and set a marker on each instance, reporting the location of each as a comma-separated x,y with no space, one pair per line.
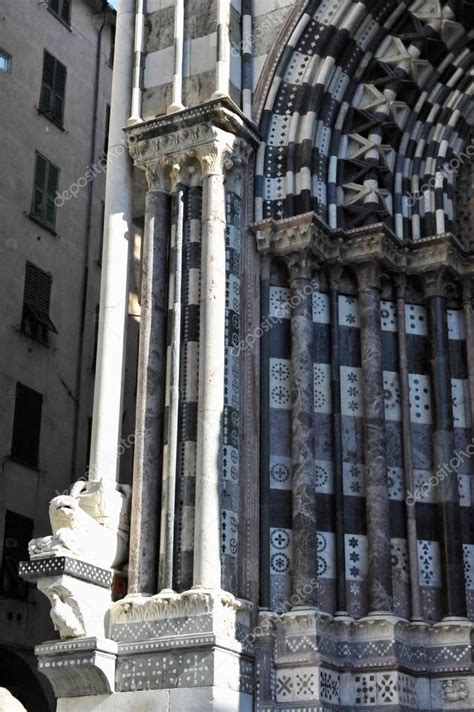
198,640
316,664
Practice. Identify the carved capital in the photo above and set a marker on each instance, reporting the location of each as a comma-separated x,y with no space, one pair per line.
334,272
158,175
214,158
401,284
301,267
368,275
436,283
468,291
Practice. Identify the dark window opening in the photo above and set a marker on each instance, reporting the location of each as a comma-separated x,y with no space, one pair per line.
112,46
53,88
35,320
18,532
62,9
45,187
26,425
107,127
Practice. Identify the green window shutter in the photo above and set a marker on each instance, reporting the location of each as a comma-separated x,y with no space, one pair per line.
53,88
36,321
66,11
44,190
62,9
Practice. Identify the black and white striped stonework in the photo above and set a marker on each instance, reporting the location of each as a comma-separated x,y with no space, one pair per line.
189,386
369,107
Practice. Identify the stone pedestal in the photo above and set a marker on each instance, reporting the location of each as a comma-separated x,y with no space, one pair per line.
195,646
79,594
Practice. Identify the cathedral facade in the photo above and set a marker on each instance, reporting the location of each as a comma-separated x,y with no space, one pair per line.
301,532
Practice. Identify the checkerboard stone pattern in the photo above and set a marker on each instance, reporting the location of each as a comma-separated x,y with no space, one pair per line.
394,454
189,387
280,521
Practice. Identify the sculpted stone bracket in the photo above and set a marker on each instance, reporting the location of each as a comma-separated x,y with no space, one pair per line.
78,591
307,233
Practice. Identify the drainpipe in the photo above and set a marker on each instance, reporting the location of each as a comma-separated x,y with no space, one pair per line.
85,280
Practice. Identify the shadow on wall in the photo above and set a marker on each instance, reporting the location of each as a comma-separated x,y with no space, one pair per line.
17,676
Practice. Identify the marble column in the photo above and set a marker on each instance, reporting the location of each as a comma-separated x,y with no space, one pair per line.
409,481
380,596
144,534
110,368
302,432
446,488
207,563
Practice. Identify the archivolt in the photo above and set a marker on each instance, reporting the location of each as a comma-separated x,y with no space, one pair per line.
368,116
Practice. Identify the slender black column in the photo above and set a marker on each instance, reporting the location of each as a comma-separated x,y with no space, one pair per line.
341,603
443,448
380,596
144,531
302,429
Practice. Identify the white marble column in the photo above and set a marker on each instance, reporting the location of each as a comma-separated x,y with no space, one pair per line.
107,414
207,566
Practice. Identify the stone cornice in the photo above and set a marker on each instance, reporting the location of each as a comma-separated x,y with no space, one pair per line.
219,119
370,243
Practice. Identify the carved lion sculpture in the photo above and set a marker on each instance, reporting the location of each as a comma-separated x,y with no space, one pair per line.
91,524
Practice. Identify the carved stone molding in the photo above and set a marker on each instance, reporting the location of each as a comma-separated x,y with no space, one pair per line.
172,605
215,135
307,233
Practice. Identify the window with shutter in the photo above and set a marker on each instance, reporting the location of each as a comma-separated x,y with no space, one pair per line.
44,191
18,532
53,88
62,9
26,425
35,320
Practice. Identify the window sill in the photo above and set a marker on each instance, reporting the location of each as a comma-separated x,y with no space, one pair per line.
51,119
38,221
23,332
67,25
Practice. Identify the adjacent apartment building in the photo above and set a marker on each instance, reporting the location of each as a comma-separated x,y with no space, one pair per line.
56,60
